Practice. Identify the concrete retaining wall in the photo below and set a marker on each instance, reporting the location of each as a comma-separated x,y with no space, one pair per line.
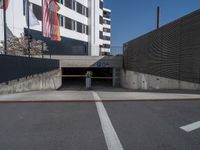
135,80
46,81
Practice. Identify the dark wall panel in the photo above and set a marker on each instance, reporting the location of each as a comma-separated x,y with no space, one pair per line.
66,46
173,51
15,67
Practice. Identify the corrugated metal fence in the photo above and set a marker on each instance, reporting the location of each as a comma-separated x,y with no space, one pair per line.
173,51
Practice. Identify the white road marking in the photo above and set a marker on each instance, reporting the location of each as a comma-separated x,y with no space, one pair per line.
191,127
112,140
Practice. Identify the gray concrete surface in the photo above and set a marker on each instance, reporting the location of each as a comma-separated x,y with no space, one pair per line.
60,126
114,94
136,80
45,81
89,61
76,126
155,125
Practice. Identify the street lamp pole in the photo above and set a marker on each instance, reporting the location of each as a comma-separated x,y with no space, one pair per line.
5,27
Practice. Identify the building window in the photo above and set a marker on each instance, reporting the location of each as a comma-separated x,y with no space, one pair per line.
79,27
84,10
100,34
74,4
87,11
60,1
74,24
106,22
100,19
61,22
24,7
79,8
100,4
84,29
37,10
68,3
107,38
106,46
87,30
106,14
106,30
68,23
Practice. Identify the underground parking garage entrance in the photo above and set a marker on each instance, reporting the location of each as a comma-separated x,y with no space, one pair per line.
75,78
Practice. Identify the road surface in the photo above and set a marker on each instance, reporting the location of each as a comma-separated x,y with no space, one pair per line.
101,125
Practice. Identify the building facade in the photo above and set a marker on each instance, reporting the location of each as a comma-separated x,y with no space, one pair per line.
106,31
84,26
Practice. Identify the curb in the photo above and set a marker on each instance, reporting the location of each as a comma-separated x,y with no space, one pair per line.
105,101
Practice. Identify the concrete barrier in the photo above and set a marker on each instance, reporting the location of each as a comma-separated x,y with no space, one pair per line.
45,81
140,81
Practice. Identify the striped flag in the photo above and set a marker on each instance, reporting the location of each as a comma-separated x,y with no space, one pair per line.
1,3
54,20
46,26
51,27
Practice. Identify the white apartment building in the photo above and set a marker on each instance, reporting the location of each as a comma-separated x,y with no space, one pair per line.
84,26
106,31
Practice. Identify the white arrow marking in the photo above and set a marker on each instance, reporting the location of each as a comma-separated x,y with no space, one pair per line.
112,140
191,127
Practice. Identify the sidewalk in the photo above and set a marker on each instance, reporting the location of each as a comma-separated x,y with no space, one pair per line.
111,94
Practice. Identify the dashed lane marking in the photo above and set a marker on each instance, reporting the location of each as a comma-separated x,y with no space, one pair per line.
191,127
111,138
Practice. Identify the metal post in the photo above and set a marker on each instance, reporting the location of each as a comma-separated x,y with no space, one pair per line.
28,24
5,27
158,17
42,32
42,49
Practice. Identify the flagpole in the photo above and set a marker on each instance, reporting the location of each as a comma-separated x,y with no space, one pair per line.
42,32
28,24
5,26
42,16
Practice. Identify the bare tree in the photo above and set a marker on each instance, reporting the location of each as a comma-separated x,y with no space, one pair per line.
19,46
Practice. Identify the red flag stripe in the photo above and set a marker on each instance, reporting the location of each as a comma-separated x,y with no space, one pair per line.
1,4
46,19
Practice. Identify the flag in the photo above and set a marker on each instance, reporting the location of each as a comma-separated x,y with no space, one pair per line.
46,26
9,33
57,7
54,20
32,19
1,3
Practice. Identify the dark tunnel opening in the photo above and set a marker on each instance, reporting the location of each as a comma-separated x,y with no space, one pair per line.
74,78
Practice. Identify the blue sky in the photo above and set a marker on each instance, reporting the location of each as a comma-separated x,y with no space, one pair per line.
132,18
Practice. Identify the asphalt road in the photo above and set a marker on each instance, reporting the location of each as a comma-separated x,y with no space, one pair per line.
155,125
144,125
57,126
